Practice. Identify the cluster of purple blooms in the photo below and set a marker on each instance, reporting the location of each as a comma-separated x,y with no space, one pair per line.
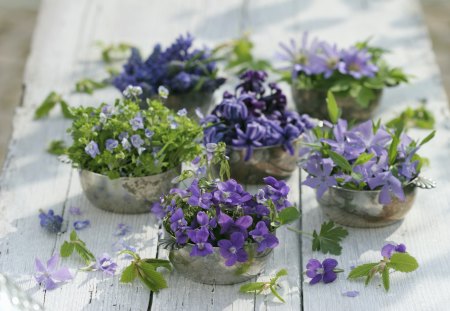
179,68
254,117
322,58
223,215
378,173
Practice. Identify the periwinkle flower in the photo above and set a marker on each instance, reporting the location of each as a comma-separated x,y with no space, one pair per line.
81,224
137,123
390,248
136,141
357,63
106,264
389,185
322,271
111,144
263,237
233,249
319,174
50,221
364,135
49,276
92,149
200,238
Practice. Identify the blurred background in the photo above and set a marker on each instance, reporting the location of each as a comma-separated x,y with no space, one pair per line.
18,17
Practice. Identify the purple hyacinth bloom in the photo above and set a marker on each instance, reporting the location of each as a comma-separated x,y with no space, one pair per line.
263,237
249,139
50,221
252,81
389,185
319,175
136,141
324,271
105,264
137,123
111,144
389,249
122,230
49,275
232,109
233,249
177,220
357,63
92,149
200,238
81,224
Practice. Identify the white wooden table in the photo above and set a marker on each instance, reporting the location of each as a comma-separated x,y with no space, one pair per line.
63,52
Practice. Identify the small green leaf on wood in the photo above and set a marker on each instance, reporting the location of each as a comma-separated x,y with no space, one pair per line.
57,147
361,271
288,215
329,238
385,278
129,274
66,249
403,262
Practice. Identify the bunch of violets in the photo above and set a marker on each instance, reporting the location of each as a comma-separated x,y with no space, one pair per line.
255,116
180,68
222,214
366,157
357,71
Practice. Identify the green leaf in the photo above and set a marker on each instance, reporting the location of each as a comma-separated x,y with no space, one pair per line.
129,274
66,249
385,277
329,238
393,148
252,287
66,111
365,95
47,105
73,236
363,158
153,279
281,273
333,109
340,161
362,270
88,86
428,138
57,147
287,215
156,263
275,293
84,253
403,262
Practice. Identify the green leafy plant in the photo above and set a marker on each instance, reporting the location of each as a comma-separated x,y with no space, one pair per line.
57,147
88,86
401,262
238,55
146,271
122,140
53,99
410,117
75,243
328,239
114,52
260,287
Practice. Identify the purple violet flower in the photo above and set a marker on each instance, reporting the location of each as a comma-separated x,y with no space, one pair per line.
263,237
228,225
324,271
50,221
49,276
233,249
177,220
230,192
105,264
200,238
197,198
111,144
92,149
390,248
81,224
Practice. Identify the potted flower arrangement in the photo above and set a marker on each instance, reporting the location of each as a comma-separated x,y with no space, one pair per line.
357,76
190,75
218,233
127,156
262,135
364,176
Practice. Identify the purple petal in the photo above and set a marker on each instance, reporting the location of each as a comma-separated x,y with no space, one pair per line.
62,275
49,284
52,262
316,279
329,276
313,264
401,248
329,264
81,224
387,250
351,293
39,265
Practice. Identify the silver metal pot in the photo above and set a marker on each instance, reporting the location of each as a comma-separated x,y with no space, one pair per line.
360,208
313,102
211,269
266,161
126,195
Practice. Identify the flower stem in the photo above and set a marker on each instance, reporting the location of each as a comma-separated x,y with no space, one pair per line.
300,231
338,270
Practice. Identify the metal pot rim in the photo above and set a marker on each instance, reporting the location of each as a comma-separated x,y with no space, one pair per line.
364,191
126,178
265,147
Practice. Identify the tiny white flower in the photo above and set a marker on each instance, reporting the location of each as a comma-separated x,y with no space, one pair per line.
132,91
163,91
